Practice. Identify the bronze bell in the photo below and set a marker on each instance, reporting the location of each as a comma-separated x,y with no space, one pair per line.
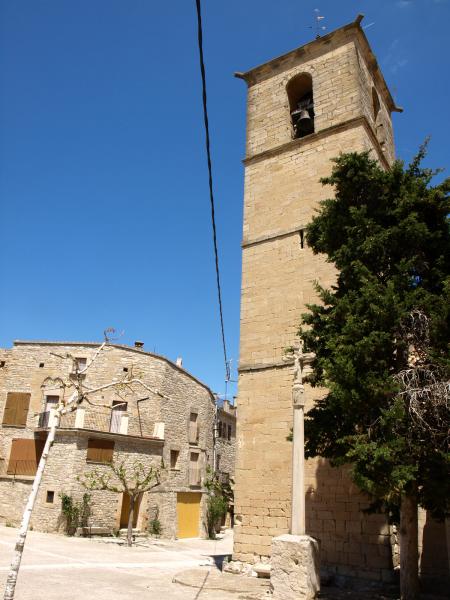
304,116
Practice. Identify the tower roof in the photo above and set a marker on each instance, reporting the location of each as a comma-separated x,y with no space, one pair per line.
320,46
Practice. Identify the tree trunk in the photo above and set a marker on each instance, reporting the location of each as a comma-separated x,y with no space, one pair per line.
20,544
130,521
409,553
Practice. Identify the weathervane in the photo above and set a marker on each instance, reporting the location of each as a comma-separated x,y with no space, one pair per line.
317,26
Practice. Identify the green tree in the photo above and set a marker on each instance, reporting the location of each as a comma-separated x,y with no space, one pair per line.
381,340
219,498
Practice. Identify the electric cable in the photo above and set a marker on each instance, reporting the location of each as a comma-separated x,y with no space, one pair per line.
210,178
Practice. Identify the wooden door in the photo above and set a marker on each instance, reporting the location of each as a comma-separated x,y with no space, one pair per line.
188,514
126,509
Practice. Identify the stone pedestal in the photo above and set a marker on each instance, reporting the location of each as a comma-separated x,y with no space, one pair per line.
295,567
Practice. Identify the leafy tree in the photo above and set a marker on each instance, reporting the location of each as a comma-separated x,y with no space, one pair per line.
381,340
131,480
219,497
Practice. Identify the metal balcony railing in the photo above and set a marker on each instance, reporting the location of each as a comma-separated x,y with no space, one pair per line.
105,420
44,419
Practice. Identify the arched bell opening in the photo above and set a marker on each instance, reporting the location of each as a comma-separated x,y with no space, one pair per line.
301,104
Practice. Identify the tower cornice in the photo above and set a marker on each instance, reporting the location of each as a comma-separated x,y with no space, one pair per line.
322,46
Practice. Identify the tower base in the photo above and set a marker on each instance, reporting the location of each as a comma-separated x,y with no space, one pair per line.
295,567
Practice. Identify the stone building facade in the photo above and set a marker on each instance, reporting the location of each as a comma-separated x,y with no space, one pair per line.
132,425
226,440
303,109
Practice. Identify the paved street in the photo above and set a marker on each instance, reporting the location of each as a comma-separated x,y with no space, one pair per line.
56,567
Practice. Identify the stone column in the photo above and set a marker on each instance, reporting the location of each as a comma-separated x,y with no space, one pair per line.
295,560
298,461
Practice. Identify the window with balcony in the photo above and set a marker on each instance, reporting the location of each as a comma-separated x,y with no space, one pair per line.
51,403
100,451
24,456
117,412
16,409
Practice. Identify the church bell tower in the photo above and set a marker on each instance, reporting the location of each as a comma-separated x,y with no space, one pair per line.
303,109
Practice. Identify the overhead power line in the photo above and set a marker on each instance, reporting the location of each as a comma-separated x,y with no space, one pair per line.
211,191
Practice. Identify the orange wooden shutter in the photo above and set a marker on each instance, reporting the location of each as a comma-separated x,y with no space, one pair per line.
24,456
16,409
100,450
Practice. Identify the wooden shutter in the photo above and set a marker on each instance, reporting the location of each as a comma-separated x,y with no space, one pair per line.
100,451
193,428
24,456
16,409
194,469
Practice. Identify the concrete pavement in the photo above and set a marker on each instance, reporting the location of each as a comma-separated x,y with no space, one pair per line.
56,567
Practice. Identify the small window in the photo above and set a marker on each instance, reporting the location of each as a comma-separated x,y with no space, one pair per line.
16,409
2,364
193,428
125,369
302,238
50,497
80,363
229,432
174,455
100,451
41,365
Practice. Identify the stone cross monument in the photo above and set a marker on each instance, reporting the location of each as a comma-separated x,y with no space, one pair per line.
295,556
298,450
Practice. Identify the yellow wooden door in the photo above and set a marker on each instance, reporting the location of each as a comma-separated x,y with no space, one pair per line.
188,514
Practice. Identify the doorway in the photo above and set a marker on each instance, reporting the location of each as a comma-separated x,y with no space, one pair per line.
126,509
188,514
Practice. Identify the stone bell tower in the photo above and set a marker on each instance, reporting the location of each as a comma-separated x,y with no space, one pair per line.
304,108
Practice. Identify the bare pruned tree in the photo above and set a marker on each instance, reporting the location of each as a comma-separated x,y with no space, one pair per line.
423,384
131,480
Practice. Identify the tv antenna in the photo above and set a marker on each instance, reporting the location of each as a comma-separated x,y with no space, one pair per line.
318,27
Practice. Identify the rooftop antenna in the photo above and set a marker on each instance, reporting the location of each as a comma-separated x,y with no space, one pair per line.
317,26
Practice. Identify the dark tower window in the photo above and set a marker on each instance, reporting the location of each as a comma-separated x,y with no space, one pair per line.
375,103
301,104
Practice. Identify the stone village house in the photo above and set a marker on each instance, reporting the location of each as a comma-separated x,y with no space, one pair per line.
137,426
303,109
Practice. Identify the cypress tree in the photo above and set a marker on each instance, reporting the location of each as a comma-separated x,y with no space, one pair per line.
381,340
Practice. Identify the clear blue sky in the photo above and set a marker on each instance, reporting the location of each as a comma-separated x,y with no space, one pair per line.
103,186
